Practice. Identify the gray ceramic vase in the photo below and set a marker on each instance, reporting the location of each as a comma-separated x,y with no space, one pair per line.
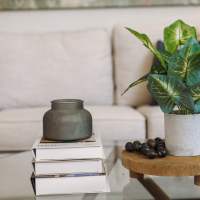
67,120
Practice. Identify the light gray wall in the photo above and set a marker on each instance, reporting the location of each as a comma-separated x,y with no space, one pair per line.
144,19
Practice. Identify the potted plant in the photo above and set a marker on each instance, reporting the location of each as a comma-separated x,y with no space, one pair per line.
174,83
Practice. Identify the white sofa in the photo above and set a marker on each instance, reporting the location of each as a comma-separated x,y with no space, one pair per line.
84,54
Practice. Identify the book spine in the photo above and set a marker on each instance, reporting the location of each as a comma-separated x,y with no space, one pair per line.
69,154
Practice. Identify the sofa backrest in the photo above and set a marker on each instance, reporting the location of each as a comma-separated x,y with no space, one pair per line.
131,62
131,59
36,68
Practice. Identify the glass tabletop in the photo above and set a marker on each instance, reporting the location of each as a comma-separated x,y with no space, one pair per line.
16,170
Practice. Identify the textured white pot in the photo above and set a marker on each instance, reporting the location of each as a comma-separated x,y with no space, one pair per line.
182,134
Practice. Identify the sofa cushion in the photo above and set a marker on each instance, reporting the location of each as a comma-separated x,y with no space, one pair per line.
39,67
132,60
20,127
155,121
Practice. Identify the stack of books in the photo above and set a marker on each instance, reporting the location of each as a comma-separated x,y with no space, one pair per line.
67,168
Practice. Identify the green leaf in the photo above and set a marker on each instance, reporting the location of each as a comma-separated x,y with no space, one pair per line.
191,47
156,67
182,111
177,34
140,80
197,106
147,43
195,92
184,64
185,67
169,92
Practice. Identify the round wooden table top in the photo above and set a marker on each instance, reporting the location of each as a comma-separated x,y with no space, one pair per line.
168,166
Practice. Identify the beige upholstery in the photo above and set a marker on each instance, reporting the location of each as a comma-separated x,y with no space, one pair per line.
154,121
20,127
39,67
84,60
130,64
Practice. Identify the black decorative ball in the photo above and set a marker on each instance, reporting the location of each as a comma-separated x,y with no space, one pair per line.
151,149
129,147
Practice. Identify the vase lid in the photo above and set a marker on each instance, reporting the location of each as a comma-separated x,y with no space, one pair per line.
67,104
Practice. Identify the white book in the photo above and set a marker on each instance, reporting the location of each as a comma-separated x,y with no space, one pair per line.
69,153
85,183
68,166
87,149
93,141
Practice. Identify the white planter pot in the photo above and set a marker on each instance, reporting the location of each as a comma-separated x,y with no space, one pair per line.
182,134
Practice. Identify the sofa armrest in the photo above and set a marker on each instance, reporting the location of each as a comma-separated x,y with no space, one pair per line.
154,120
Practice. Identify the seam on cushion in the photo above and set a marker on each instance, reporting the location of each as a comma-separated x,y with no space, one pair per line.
1,122
16,122
142,112
156,118
151,116
118,119
14,151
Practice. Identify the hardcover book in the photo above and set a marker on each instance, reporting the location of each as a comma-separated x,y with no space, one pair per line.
68,166
70,183
86,149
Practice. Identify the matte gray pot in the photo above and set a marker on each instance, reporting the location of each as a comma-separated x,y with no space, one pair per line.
182,134
67,121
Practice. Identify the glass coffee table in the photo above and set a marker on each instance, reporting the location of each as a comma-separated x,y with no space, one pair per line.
16,169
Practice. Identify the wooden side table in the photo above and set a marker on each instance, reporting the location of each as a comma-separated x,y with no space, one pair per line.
138,166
